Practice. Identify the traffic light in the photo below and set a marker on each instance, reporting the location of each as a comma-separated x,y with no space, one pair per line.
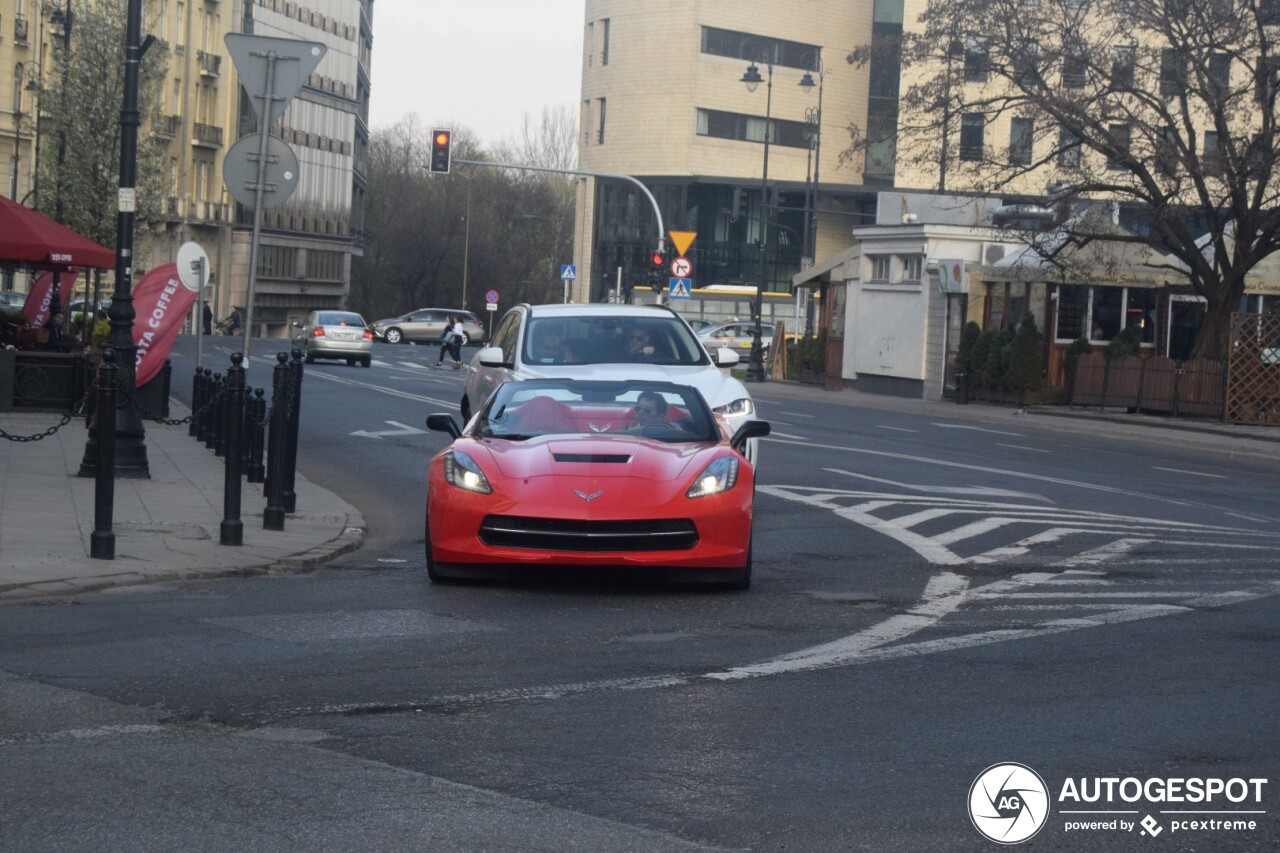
657,270
441,139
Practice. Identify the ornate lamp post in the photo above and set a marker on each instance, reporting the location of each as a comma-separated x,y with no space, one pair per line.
752,80
814,119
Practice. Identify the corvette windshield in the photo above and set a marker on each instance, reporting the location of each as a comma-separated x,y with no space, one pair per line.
657,410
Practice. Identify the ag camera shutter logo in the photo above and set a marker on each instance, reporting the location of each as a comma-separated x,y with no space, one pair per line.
1008,803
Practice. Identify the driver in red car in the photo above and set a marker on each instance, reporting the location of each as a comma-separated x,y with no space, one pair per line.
651,408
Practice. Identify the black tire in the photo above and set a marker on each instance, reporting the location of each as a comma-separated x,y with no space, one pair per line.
743,581
465,408
351,362
367,361
308,357
393,335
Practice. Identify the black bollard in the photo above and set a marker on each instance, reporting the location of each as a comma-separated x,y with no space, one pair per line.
224,408
197,397
246,428
102,542
206,394
232,530
273,515
291,435
214,403
255,472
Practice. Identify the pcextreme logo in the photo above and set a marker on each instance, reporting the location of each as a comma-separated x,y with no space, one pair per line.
1008,803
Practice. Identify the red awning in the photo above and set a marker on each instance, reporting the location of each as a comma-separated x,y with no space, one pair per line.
31,239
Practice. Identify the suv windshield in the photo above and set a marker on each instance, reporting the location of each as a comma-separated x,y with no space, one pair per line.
611,340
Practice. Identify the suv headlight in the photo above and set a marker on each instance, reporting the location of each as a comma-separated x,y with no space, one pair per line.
742,407
717,477
462,471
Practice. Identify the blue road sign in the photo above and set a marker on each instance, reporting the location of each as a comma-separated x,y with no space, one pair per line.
568,272
680,288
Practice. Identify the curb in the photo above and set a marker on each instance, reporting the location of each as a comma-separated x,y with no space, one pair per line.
350,539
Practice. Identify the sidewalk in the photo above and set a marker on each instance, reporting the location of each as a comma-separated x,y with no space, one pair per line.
166,528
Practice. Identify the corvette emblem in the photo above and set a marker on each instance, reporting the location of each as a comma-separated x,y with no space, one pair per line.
595,428
586,497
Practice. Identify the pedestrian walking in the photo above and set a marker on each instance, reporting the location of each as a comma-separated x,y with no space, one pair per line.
207,315
451,342
233,321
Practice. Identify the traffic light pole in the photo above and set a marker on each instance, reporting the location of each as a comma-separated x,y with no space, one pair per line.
662,231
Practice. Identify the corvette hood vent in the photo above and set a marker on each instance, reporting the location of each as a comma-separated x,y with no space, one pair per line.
606,458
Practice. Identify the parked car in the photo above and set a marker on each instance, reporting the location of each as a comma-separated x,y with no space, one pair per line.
631,473
593,343
426,325
12,299
335,334
737,335
698,323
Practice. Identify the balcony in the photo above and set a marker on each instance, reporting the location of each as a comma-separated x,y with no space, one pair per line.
211,211
20,30
206,136
166,126
210,64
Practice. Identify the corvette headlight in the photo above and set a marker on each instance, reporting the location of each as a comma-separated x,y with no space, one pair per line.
742,407
717,477
462,471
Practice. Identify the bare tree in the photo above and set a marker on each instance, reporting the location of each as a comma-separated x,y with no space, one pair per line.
1166,106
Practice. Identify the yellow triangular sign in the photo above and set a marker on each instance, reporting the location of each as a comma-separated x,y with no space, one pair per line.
682,240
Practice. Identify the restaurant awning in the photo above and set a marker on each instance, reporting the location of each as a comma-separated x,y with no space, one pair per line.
30,239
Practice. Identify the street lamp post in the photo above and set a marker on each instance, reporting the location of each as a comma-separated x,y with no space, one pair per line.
752,79
811,207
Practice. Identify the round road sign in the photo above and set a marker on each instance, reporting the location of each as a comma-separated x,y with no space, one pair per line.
491,296
682,267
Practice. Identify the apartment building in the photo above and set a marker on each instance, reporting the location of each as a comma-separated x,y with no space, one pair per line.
663,100
307,243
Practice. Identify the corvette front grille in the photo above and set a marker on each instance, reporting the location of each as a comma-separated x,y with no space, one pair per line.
550,534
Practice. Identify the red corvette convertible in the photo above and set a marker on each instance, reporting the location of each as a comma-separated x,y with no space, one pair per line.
562,472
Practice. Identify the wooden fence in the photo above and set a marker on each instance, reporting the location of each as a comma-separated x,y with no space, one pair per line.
1156,385
1253,395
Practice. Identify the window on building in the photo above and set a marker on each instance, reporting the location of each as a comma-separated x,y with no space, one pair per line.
1026,62
600,121
1122,64
1220,70
604,39
1107,317
1068,148
1021,133
1120,139
180,31
324,266
1073,311
912,266
202,181
972,131
724,125
1212,159
173,176
1073,70
1140,313
977,60
1173,72
880,267
755,48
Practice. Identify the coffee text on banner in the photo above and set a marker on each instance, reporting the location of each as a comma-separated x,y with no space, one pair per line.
161,303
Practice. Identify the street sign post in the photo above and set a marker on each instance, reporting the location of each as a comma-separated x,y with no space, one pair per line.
272,71
568,273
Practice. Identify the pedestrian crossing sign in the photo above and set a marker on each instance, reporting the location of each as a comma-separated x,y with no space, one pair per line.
680,288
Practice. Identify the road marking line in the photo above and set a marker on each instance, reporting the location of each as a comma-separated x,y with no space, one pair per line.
1097,555
1194,473
979,491
1023,447
896,429
412,364
1022,546
975,528
979,429
797,415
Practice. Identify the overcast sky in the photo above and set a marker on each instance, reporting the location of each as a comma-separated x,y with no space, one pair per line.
482,64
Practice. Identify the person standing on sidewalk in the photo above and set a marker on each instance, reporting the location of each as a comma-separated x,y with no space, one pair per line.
207,315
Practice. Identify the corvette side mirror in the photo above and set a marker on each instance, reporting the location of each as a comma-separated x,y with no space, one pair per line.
441,422
751,429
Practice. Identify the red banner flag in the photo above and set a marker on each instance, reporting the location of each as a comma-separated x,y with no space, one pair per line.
161,302
39,305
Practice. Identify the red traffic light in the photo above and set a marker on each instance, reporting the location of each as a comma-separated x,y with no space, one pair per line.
657,259
440,143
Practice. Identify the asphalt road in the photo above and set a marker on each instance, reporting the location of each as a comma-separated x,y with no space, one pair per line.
935,592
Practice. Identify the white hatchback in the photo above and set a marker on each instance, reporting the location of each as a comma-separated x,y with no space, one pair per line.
602,341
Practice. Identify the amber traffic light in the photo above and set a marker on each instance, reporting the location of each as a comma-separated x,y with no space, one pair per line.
440,142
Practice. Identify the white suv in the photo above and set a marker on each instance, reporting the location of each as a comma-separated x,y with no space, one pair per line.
602,341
